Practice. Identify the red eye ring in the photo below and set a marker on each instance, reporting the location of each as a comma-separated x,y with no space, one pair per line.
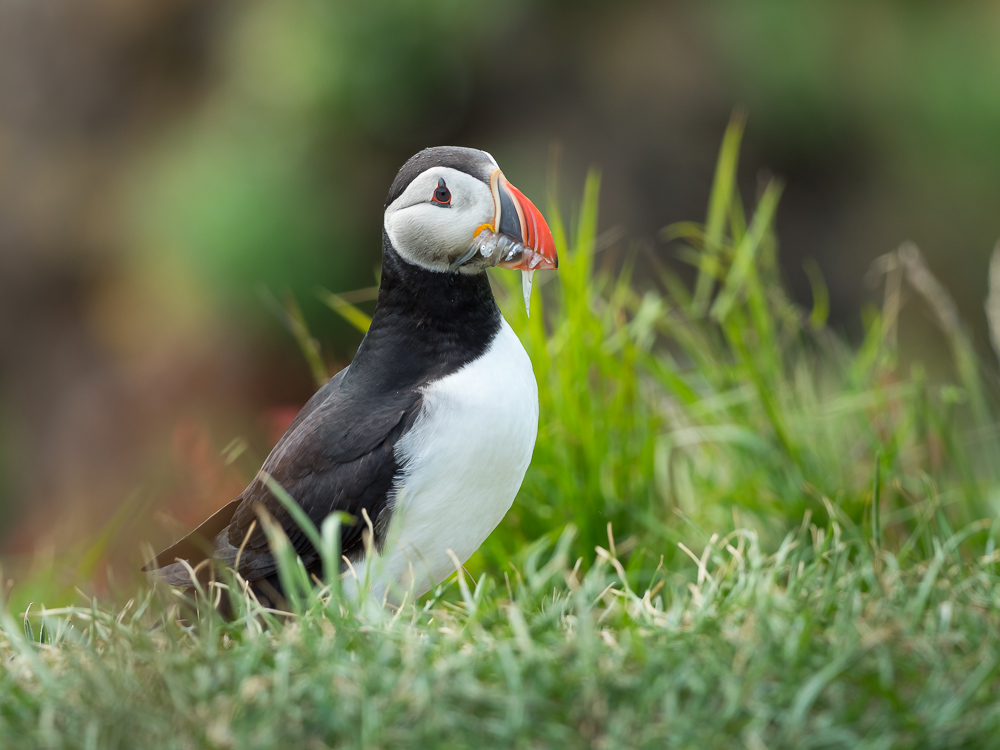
441,195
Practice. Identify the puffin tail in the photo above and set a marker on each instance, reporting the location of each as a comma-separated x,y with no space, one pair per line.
174,564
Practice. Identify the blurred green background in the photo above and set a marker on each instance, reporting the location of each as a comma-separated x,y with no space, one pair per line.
168,171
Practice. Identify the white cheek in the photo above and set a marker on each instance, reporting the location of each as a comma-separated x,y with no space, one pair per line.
431,235
447,227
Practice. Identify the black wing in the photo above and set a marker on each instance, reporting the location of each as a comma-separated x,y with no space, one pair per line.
338,454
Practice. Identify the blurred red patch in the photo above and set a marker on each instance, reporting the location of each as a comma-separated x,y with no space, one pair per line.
277,419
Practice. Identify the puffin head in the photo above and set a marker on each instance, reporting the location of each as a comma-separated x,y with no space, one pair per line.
451,209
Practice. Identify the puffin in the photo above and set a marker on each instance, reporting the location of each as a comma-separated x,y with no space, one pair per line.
423,440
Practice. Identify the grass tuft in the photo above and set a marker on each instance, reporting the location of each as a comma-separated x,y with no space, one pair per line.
811,645
669,412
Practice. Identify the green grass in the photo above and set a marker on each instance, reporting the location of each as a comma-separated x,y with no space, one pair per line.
737,531
823,643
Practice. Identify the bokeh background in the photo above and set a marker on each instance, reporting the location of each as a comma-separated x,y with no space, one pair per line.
171,174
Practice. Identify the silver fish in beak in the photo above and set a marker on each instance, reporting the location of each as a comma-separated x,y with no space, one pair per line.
518,238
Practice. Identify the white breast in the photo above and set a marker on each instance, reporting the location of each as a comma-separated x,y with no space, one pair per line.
464,460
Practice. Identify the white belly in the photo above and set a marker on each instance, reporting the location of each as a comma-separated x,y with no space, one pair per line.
464,460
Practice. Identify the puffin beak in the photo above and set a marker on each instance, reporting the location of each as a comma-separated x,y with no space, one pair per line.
517,218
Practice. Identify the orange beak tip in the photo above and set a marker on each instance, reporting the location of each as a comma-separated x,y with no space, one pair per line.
535,234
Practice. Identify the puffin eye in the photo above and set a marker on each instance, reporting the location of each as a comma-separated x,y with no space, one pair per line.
442,195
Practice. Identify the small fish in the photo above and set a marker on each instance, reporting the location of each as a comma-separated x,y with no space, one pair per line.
526,289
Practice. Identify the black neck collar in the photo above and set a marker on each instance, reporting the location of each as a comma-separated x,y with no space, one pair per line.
427,324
